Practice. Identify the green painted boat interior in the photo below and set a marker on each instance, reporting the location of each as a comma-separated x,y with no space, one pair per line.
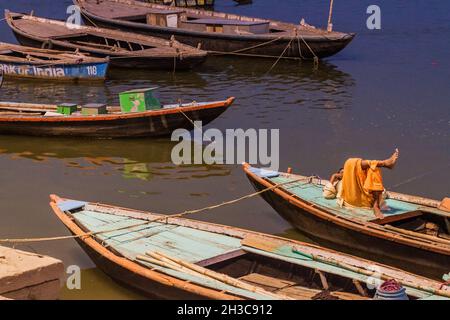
137,236
399,214
313,193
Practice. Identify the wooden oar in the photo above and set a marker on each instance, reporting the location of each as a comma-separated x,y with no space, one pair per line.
219,276
166,265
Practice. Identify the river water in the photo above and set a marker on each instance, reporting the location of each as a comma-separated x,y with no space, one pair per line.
387,89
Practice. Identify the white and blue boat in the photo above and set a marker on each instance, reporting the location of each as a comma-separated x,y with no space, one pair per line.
33,63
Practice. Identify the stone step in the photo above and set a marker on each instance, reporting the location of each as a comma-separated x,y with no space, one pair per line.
29,276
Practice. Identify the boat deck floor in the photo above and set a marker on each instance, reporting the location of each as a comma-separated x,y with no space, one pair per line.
45,30
117,10
292,289
313,193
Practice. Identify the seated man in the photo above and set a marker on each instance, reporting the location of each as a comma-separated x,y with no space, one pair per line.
333,189
362,183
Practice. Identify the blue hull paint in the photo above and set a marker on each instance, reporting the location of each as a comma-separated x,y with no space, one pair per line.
80,71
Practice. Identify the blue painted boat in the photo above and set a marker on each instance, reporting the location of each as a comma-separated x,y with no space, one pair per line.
32,63
413,235
177,258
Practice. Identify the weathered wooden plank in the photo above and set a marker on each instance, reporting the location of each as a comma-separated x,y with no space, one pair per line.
267,282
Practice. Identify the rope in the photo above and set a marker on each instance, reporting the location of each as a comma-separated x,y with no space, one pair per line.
239,52
421,175
316,58
93,23
178,215
249,48
193,122
253,55
282,54
174,64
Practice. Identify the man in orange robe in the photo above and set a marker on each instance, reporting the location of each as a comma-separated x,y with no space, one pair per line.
362,182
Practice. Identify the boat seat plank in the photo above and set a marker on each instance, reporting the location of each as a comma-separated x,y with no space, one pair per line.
399,217
299,293
268,283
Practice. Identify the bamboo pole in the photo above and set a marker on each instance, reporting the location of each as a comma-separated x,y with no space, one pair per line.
330,16
368,273
413,199
165,265
220,276
419,235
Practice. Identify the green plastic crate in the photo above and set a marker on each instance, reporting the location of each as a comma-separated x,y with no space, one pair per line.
67,108
139,100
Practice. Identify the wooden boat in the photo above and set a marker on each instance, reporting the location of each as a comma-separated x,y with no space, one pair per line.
177,258
214,31
184,3
124,49
42,120
414,235
31,63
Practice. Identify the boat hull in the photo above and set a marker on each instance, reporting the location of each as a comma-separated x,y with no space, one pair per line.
146,286
223,43
121,127
338,237
129,62
69,72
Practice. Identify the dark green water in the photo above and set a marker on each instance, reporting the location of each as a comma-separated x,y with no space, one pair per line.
389,88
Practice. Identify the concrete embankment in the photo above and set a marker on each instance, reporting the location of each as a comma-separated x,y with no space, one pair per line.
29,276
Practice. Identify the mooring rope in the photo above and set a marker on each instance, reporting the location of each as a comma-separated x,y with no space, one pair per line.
298,37
316,58
248,48
281,55
165,217
418,176
93,23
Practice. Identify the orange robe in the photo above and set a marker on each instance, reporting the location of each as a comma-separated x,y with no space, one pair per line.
358,184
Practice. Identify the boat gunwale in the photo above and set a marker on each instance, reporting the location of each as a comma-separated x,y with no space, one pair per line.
354,224
57,57
117,116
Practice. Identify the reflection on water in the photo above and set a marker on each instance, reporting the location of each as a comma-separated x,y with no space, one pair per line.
134,159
